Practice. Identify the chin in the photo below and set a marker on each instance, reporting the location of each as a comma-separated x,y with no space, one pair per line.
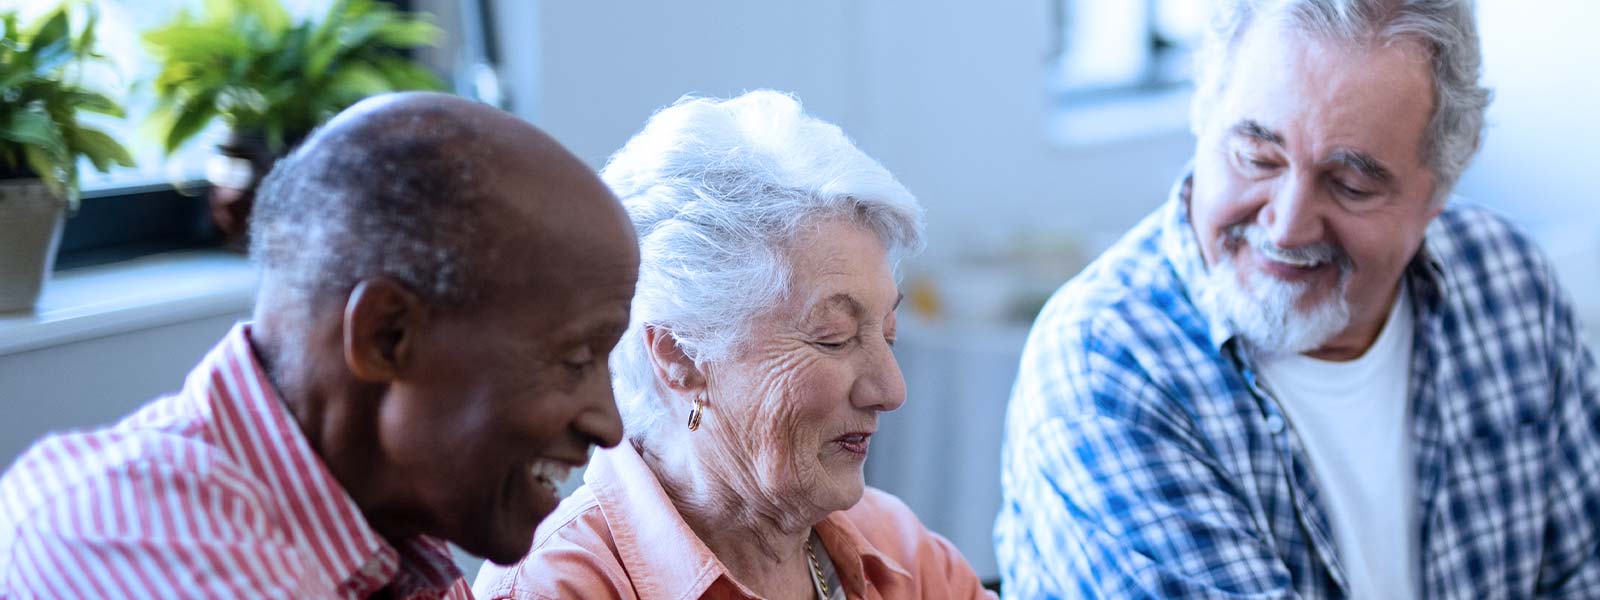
845,492
506,552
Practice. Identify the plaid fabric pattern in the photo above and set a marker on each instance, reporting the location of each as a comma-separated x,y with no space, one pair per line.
1143,460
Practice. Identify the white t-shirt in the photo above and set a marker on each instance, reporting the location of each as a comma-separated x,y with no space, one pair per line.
1354,420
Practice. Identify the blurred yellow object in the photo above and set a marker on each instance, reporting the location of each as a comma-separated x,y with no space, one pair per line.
923,296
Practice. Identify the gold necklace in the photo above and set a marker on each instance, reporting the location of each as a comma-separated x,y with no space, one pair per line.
816,570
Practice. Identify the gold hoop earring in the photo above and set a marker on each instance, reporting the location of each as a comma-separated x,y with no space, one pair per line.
694,414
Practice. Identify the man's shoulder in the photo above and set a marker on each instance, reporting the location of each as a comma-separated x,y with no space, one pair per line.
1491,271
1130,302
115,468
1471,242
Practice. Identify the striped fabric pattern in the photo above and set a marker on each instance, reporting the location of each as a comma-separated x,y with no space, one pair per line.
209,493
1143,459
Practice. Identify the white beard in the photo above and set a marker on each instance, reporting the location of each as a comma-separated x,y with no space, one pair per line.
1262,310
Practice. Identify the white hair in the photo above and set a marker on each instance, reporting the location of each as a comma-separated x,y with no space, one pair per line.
1446,28
715,189
1263,310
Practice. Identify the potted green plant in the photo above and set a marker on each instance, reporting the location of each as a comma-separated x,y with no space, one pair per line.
273,80
41,142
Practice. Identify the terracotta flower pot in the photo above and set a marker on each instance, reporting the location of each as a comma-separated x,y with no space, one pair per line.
31,218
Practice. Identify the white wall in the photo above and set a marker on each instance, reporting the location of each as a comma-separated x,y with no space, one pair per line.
947,94
98,381
1540,162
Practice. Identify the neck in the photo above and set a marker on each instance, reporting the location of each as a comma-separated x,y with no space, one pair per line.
337,416
762,545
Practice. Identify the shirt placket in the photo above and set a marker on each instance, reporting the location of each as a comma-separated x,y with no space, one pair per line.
1297,481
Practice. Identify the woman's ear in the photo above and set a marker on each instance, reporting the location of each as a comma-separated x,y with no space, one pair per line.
673,367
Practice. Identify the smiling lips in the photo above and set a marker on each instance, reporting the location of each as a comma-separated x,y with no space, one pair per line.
855,443
548,473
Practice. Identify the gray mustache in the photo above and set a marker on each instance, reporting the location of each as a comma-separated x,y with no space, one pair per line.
1250,233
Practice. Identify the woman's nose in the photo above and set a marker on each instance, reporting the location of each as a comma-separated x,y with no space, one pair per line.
880,386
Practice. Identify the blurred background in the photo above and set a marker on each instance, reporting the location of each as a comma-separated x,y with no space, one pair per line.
1035,133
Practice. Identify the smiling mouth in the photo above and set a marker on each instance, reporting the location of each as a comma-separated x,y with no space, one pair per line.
854,443
550,473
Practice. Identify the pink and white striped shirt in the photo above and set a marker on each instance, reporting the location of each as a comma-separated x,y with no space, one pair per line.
210,493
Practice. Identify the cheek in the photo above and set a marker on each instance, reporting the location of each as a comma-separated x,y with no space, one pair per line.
1217,201
790,408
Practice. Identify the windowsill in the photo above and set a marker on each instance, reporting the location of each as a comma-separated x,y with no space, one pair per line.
1077,123
136,294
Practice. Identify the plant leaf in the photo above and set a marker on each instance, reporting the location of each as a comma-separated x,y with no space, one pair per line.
408,33
84,45
187,44
101,149
406,74
56,175
273,17
51,46
192,117
33,127
354,82
86,101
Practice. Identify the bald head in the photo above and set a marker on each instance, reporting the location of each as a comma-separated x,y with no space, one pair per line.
416,187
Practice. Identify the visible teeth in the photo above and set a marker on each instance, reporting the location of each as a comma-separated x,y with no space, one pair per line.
549,472
1292,262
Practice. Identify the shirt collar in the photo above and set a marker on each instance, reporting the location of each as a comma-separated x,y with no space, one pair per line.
1182,250
251,422
641,515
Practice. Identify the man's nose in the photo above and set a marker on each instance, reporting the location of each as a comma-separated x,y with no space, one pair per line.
1293,216
600,420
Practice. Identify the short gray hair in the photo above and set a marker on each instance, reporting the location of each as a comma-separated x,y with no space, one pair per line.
398,195
1446,28
715,188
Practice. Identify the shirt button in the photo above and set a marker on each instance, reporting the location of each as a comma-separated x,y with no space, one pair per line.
1275,423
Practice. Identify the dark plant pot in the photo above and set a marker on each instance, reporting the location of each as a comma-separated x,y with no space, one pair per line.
235,171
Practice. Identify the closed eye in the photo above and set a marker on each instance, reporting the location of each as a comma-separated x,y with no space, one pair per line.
1350,190
579,362
839,345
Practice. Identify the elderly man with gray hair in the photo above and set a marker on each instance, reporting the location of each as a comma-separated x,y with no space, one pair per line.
1311,374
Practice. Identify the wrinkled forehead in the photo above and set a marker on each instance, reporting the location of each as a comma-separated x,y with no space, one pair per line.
1330,94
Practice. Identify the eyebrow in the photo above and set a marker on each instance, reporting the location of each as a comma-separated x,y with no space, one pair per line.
851,305
1253,129
1362,163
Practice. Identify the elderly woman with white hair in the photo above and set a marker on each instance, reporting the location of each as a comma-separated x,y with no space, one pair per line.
751,377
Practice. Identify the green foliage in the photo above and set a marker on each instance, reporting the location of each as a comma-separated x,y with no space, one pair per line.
246,62
40,98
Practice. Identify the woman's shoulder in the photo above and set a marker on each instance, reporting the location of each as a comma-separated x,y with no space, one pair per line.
886,522
935,566
572,550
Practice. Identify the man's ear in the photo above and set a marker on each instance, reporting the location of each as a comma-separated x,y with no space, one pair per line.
673,367
382,319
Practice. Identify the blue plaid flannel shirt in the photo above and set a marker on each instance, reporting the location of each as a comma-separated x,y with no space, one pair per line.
1142,460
